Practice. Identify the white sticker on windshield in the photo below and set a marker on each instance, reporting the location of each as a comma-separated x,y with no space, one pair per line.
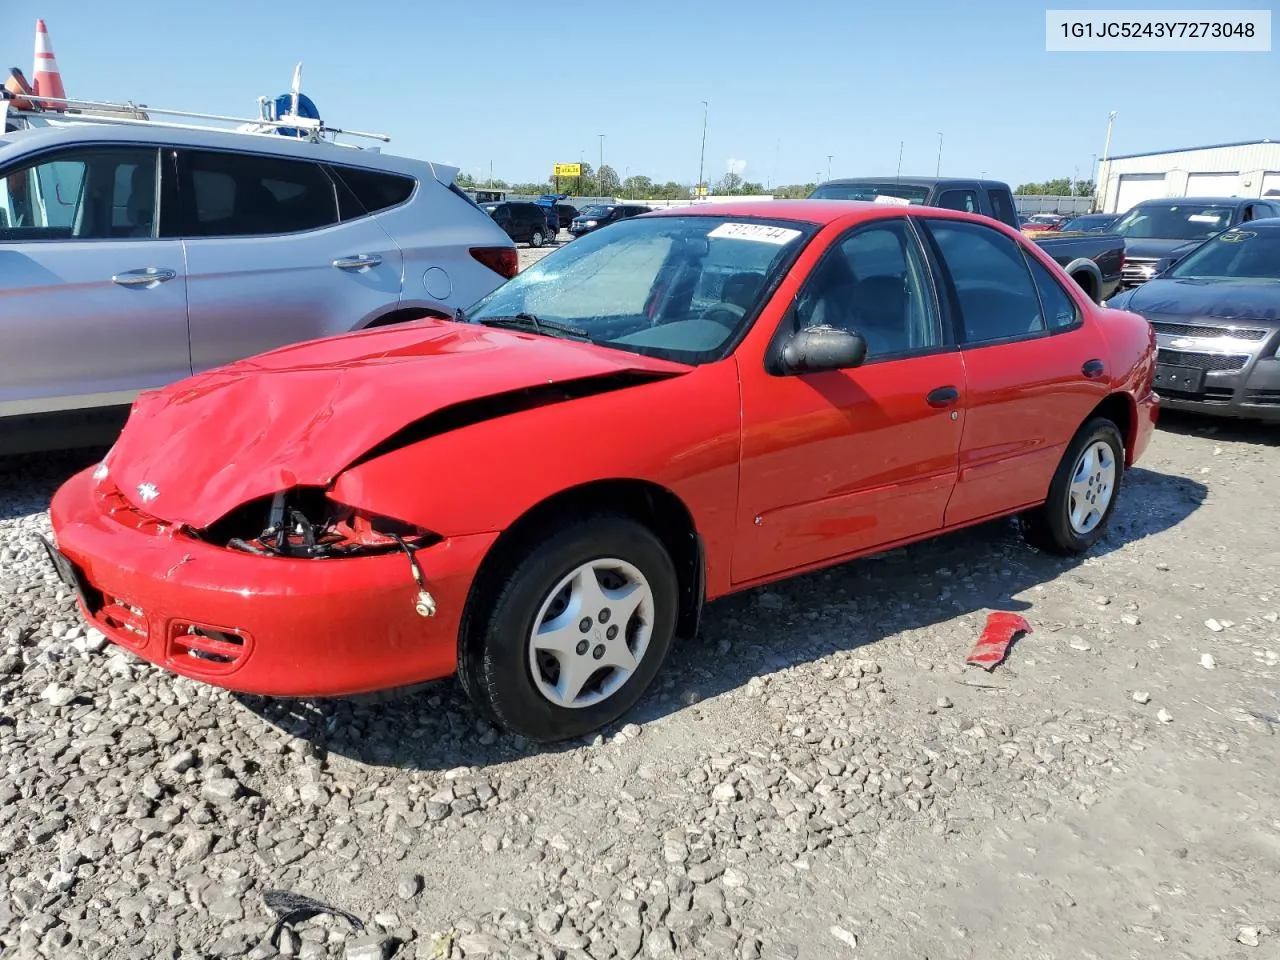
755,231
891,201
1204,218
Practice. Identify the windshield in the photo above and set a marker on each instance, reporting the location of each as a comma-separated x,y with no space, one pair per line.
596,211
870,191
1177,221
1238,254
679,288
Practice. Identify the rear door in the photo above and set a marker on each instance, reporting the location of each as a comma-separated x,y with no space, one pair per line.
92,304
270,261
1034,367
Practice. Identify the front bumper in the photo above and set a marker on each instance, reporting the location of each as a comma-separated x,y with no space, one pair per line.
262,625
1243,383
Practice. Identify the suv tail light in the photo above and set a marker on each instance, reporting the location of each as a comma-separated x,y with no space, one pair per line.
503,261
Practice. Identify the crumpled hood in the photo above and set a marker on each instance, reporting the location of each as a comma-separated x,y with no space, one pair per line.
1257,300
193,451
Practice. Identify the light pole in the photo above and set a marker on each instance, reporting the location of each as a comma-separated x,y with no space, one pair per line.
829,156
703,155
938,171
1106,158
900,143
601,167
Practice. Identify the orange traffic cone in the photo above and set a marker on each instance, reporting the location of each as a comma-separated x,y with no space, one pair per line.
45,78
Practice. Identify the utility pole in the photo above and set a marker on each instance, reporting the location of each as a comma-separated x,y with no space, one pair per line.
938,171
1106,157
900,142
702,157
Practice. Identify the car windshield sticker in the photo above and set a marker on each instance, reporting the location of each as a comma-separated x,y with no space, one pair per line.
1205,217
891,201
1238,236
755,231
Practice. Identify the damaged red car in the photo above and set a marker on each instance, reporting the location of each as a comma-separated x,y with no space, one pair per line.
540,494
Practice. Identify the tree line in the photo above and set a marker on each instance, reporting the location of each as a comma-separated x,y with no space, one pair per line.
606,183
1062,187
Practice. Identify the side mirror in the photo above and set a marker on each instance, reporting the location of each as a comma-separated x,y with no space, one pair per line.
821,349
1164,265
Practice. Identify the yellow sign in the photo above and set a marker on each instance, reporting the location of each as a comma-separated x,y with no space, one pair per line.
568,170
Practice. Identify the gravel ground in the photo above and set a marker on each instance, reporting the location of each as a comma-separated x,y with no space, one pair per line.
816,776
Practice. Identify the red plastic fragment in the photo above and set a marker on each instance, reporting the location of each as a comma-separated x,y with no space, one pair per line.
1001,629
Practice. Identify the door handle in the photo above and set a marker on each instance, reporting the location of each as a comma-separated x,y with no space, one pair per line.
358,262
1093,369
942,397
131,278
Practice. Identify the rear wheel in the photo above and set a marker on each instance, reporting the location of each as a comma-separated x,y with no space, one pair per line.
536,238
1083,493
571,635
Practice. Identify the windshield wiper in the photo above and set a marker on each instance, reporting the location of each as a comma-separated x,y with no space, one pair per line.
527,321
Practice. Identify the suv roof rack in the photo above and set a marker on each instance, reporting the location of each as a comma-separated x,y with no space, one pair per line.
291,114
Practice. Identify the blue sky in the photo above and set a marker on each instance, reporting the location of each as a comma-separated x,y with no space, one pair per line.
788,84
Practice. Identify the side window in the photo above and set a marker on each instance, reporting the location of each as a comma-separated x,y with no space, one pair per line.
1059,308
235,195
1002,207
95,193
965,200
993,286
371,190
875,283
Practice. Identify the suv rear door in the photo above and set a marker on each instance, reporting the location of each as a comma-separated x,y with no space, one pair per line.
92,304
273,258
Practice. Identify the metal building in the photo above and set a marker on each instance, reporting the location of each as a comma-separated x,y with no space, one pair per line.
1246,169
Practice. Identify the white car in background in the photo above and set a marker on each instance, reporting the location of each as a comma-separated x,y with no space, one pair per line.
135,254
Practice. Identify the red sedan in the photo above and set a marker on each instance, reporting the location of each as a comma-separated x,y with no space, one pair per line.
541,493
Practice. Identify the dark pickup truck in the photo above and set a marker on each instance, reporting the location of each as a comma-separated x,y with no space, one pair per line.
1094,261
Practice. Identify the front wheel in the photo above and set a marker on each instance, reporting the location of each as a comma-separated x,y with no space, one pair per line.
571,635
1082,495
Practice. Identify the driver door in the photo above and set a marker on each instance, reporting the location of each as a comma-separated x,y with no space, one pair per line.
847,461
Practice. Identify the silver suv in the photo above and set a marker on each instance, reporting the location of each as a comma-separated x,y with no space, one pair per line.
135,254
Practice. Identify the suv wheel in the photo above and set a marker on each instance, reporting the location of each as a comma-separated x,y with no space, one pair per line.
536,238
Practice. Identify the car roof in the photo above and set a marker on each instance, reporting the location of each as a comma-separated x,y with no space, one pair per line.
914,181
820,212
1215,201
72,132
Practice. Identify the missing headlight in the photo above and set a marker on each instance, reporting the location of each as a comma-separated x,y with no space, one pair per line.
304,523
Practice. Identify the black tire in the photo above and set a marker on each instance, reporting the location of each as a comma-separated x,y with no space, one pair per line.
536,238
494,666
1049,527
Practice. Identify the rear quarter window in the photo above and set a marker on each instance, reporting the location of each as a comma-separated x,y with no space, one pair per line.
371,190
1002,207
